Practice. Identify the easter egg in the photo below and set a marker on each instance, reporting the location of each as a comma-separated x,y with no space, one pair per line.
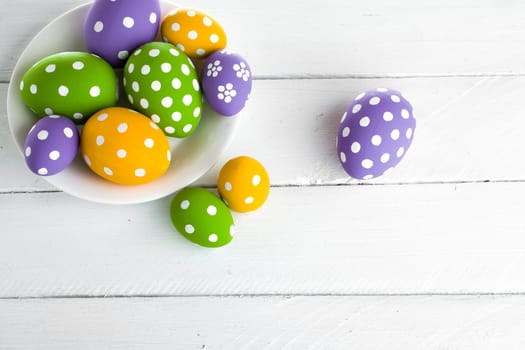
124,146
194,32
243,184
226,82
51,145
71,84
375,133
201,217
113,29
161,82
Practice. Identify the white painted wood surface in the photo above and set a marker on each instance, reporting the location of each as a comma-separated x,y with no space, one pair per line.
431,256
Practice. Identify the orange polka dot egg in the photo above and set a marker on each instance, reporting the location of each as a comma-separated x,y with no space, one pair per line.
243,184
124,147
197,34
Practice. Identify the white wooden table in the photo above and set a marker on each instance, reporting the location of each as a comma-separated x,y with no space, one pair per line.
431,256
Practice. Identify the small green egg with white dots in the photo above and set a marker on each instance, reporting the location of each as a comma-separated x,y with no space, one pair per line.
71,84
202,218
161,82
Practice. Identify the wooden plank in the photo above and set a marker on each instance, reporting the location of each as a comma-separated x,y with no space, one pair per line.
290,126
447,238
396,323
378,37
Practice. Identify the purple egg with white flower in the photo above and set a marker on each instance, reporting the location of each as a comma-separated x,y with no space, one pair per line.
51,145
226,82
115,28
375,133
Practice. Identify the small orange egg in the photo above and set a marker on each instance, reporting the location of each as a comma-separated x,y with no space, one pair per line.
124,146
243,184
194,32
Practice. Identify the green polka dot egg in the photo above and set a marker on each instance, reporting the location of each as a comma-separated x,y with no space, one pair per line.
71,84
201,217
162,83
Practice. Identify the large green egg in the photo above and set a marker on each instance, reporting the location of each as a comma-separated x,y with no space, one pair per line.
202,217
72,84
162,83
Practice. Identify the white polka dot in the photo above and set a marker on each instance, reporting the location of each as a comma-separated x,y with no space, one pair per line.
374,101
196,86
131,68
187,128
175,27
102,117
343,118
68,132
42,135
192,35
140,172
187,99
48,111
135,86
400,152
356,108
87,160
211,210
342,156
108,171
128,22
94,91
33,89
385,157
388,116
54,155
167,102
228,186
121,153
154,126
154,52
207,21
153,18
155,118
130,98
409,133
165,67
248,200
394,134
78,116
185,69
145,69
122,128
42,171
169,129
200,52
123,54
155,85
191,13
256,180
28,151
213,238
149,143
360,96
185,204
214,38
176,83
395,98
346,132
98,27
180,47
197,112
355,147
144,103
51,68
367,163
63,90
100,140
376,140
405,114
176,116
364,122
174,52
382,89
189,229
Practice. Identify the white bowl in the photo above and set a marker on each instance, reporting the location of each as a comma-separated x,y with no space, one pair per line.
191,157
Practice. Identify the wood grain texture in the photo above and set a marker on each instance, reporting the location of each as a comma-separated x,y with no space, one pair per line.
270,323
448,238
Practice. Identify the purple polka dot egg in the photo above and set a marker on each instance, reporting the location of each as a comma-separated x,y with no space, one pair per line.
115,28
375,133
51,145
226,82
